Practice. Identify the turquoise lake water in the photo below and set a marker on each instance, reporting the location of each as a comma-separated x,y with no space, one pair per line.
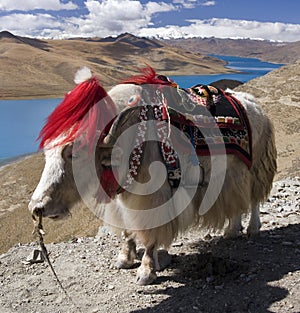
22,120
249,69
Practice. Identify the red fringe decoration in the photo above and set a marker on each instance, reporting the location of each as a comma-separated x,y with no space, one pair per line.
109,185
149,76
78,114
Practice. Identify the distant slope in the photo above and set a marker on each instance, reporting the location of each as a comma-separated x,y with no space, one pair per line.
8,37
279,93
142,42
45,68
275,52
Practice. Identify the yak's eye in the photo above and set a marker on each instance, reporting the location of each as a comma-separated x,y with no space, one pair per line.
73,156
68,153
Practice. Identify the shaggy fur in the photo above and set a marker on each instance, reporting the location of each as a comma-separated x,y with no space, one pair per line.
242,190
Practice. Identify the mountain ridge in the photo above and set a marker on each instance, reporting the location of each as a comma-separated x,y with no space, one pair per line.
46,68
34,68
270,51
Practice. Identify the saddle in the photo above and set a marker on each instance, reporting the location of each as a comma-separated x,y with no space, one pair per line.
217,124
217,120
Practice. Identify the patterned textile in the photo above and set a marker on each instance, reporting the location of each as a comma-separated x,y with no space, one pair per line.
218,124
218,120
160,115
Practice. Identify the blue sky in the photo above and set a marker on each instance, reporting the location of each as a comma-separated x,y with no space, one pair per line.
258,19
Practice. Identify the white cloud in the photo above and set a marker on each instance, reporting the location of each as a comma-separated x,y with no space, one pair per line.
208,3
226,28
28,24
187,4
110,17
113,17
157,7
27,5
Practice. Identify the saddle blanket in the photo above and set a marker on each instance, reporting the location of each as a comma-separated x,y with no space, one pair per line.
218,120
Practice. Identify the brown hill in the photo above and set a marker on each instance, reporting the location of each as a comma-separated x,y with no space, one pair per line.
6,36
142,42
278,92
45,68
276,52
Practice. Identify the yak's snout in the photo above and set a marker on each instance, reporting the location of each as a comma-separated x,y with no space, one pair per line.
47,208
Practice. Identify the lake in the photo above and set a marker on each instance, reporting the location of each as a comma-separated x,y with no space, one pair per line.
22,120
249,69
20,124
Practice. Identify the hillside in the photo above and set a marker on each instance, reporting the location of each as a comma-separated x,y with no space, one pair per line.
275,52
33,68
279,93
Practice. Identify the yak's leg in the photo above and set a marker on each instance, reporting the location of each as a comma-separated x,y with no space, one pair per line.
234,228
254,223
146,273
127,254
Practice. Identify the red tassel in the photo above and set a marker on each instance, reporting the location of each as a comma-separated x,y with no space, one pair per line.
109,184
78,111
148,76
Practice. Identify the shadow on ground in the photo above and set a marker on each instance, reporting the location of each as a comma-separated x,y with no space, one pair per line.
233,275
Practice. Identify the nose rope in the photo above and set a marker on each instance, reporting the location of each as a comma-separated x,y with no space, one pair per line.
39,232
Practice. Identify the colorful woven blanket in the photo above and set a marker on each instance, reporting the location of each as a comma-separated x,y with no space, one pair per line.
217,123
217,120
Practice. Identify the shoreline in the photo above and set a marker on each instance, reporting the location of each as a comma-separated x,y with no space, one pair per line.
32,93
4,162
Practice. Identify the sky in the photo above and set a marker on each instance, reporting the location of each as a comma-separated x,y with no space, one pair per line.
274,20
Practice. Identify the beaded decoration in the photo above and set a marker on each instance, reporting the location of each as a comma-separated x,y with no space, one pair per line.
170,156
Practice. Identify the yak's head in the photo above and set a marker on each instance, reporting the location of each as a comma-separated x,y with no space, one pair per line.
70,141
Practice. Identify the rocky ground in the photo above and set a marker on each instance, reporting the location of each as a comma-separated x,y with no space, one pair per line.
207,274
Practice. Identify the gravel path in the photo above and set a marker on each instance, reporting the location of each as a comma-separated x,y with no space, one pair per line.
207,274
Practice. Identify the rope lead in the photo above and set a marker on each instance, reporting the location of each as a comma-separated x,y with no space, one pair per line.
39,232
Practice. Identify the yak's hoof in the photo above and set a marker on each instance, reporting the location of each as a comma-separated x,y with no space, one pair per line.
145,276
123,264
125,260
252,233
253,229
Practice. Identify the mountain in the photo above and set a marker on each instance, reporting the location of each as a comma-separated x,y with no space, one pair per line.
139,42
46,68
276,52
33,68
7,37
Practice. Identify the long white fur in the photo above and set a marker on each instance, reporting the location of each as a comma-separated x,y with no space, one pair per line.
52,175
